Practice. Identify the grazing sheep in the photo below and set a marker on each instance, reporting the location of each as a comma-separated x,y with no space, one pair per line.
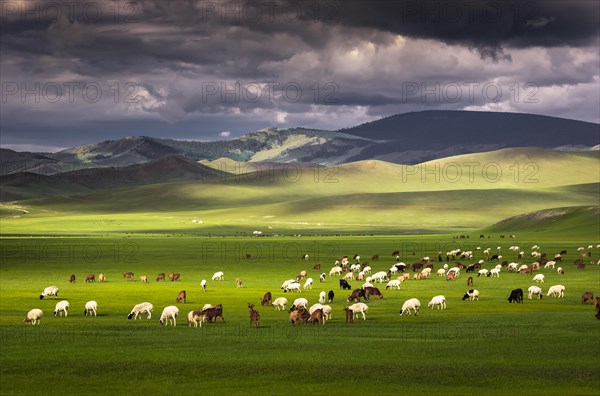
494,273
482,272
286,283
337,270
90,278
440,301
344,285
50,291
587,296
322,297
203,284
101,278
393,284
266,299
218,276
539,278
556,291
196,318
349,276
393,270
254,315
91,307
169,314
379,276
550,264
300,302
330,295
441,272
292,287
355,267
359,308
308,284
560,270
61,307
181,296
356,295
472,294
145,307
426,273
535,290
367,270
522,268
160,277
72,279
34,316
207,306
516,295
317,267
322,277
239,282
128,275
144,279
411,304
512,267
279,303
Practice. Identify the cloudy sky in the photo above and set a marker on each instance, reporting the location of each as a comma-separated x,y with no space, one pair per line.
80,72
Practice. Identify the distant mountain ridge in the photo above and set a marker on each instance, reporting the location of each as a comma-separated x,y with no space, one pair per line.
407,138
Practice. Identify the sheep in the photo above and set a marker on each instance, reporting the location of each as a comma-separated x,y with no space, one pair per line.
393,284
455,269
482,272
426,273
560,270
286,283
355,267
218,276
144,307
349,276
441,272
101,278
322,277
34,316
196,318
254,315
239,282
144,279
160,277
308,284
379,276
317,267
207,306
472,294
393,270
512,267
50,291
361,276
90,278
410,304
470,281
169,314
61,307
299,302
292,287
366,284
550,264
203,285
337,270
535,290
359,308
330,296
587,296
128,275
522,268
315,307
494,273
556,291
91,307
322,297
279,303
440,301
539,278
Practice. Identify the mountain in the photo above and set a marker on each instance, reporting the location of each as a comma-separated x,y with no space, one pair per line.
408,138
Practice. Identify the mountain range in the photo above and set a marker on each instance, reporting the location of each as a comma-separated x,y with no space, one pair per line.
408,138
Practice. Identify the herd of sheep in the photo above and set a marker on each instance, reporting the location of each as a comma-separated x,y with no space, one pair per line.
320,312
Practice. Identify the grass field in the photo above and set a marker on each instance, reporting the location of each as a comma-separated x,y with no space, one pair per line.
488,346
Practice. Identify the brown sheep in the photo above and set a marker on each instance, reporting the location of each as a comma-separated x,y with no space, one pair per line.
181,297
72,279
90,278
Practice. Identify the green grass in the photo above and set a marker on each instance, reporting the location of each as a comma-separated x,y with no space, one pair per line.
490,346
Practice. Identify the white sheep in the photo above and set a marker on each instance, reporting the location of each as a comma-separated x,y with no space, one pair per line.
169,314
534,290
144,307
379,276
522,267
560,270
556,291
498,267
308,284
411,304
91,307
361,276
195,318
366,284
279,303
367,270
393,270
482,272
300,302
472,294
34,316
337,270
539,278
327,312
426,273
61,307
314,307
322,277
355,267
322,297
512,266
456,270
50,291
359,308
445,267
203,284
550,264
349,276
440,301
441,272
206,306
393,284
219,275
495,273
292,287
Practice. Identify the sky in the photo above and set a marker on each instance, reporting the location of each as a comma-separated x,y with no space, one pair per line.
75,73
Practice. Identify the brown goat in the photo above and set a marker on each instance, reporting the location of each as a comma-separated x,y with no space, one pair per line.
372,291
181,297
174,277
581,266
317,317
239,282
317,267
72,279
349,315
128,275
587,296
470,281
90,278
299,315
450,276
254,315
211,314
266,299
160,277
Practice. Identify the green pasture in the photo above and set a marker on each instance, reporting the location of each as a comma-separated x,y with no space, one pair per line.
547,346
